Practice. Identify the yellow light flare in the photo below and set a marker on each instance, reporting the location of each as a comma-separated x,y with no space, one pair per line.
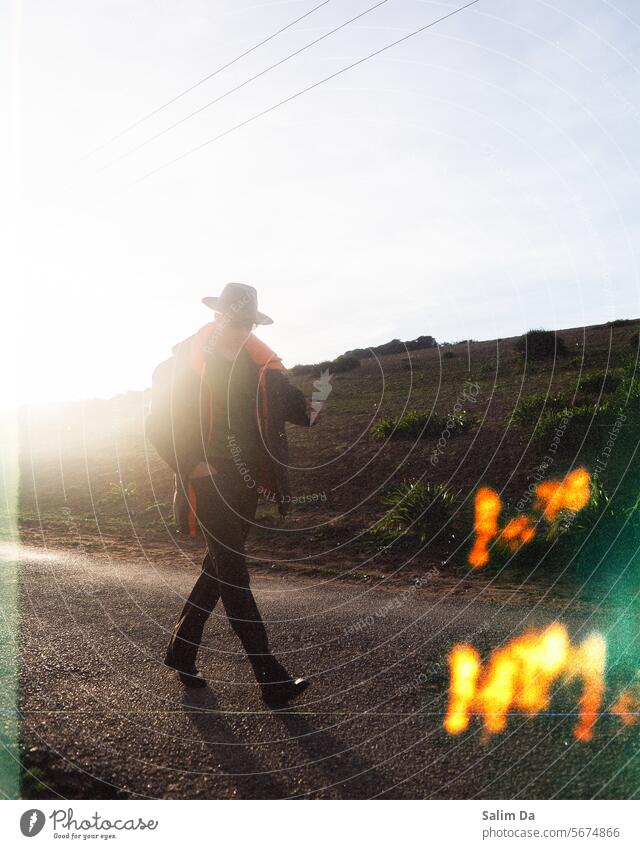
465,664
588,662
572,493
542,659
496,694
487,511
520,676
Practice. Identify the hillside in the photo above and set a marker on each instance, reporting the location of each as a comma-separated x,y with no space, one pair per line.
88,479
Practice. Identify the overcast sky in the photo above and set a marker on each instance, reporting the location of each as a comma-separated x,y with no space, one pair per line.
477,180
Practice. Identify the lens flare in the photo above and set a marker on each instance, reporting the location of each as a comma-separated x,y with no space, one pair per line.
572,493
588,662
466,662
627,707
520,676
517,532
487,511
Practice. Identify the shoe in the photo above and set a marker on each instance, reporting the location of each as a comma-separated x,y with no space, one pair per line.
279,693
192,679
187,673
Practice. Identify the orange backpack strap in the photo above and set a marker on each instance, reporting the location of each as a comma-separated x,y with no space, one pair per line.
198,348
259,351
191,518
262,355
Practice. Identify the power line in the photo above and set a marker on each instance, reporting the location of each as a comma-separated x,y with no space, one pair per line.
299,93
205,79
242,85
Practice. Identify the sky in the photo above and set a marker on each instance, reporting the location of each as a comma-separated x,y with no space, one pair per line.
475,181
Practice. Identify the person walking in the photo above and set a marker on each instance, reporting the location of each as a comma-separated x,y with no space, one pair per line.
218,414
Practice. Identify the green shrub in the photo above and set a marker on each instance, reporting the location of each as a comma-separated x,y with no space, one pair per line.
416,509
601,380
541,344
449,355
417,425
529,409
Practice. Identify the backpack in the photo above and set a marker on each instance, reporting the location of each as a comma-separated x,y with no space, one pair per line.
169,427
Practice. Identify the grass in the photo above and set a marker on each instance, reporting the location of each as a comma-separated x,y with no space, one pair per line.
529,409
418,425
417,510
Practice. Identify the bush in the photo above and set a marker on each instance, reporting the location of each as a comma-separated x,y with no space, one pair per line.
449,355
393,347
417,509
305,368
621,322
343,363
340,364
529,409
601,380
541,344
417,425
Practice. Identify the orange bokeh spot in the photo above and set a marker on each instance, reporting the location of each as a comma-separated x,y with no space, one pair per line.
627,707
517,532
572,493
487,511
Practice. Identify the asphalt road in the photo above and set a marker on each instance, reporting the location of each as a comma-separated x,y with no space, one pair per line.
102,717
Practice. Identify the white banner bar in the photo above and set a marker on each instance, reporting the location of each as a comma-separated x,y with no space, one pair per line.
314,825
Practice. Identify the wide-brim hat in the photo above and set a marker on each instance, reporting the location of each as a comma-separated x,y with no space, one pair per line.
238,300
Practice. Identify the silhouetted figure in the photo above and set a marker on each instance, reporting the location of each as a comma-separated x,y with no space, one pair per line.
219,408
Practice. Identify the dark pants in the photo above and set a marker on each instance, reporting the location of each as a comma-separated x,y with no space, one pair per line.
225,507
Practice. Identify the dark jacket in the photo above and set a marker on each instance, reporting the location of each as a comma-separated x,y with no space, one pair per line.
179,424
